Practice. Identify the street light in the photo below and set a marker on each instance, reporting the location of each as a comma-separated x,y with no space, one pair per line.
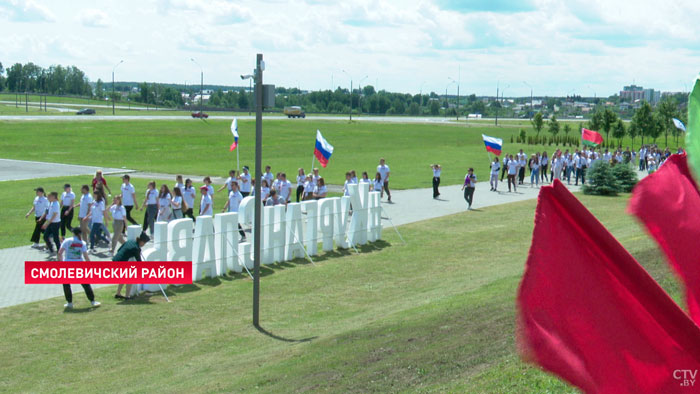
447,103
345,72
250,78
359,98
421,95
457,82
531,106
201,86
114,68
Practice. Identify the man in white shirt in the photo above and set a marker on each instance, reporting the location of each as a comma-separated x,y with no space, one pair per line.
384,173
437,171
39,207
581,163
227,183
189,194
84,210
285,189
513,168
245,183
495,167
67,202
205,204
522,163
234,202
52,225
75,249
129,198
268,176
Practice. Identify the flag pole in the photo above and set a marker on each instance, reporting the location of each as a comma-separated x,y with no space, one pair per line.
311,170
238,162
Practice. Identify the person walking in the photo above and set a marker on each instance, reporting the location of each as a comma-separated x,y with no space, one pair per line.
98,215
245,184
513,168
534,171
151,203
39,207
544,166
177,204
468,187
227,184
75,249
522,163
129,198
118,212
84,210
233,203
129,250
437,170
52,224
284,188
67,202
301,179
384,171
179,184
504,170
99,182
205,204
495,167
188,196
164,206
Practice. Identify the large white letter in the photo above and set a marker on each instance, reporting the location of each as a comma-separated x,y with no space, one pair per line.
342,207
311,209
359,194
226,242
325,221
203,255
374,224
180,239
246,211
275,230
295,237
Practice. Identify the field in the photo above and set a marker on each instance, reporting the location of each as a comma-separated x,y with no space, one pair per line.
392,318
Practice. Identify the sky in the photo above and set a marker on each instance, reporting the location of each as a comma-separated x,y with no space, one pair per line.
554,47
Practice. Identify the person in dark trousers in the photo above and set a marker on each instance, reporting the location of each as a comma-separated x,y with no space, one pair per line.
129,199
52,225
129,249
437,169
151,204
506,159
67,202
188,195
75,249
39,207
469,186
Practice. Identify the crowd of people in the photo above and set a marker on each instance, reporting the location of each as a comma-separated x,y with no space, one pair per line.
54,214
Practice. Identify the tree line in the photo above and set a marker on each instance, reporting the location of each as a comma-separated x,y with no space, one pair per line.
57,79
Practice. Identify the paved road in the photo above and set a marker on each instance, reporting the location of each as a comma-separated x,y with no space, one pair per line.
15,170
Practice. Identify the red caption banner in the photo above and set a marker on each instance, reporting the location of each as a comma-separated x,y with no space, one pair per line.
108,272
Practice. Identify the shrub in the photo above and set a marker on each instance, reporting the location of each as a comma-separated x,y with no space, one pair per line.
626,177
601,180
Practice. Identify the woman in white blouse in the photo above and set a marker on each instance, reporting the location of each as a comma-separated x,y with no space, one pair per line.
164,198
118,212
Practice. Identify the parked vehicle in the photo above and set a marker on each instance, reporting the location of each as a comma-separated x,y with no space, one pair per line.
86,111
294,112
200,114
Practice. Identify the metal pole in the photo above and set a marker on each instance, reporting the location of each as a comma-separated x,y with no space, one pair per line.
201,92
112,92
351,99
497,106
250,93
26,101
258,201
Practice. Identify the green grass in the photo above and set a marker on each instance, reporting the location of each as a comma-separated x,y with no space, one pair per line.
421,317
201,147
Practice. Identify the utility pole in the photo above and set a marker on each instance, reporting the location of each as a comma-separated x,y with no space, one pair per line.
201,86
350,92
497,108
258,202
114,68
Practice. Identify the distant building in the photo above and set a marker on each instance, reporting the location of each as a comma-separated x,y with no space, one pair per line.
634,93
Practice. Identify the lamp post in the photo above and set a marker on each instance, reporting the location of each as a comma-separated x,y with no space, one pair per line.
457,82
250,78
359,98
201,86
345,72
114,68
260,66
531,106
447,103
421,96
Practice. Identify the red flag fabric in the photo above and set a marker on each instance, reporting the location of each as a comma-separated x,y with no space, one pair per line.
668,203
591,314
590,137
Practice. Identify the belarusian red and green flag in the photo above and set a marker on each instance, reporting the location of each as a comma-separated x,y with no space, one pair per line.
590,137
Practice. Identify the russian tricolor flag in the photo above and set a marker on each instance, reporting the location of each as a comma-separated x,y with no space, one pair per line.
493,145
234,130
323,150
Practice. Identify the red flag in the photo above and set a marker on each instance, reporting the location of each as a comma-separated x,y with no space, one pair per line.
591,138
668,203
591,314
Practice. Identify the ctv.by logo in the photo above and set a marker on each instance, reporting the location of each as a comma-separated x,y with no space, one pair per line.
686,376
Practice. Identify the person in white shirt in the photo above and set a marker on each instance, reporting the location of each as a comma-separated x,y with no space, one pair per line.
534,171
437,170
309,187
513,168
377,183
205,204
98,215
188,196
227,184
245,184
607,157
321,191
273,199
544,167
504,167
570,167
129,198
84,210
353,177
75,249
365,178
469,186
284,188
164,206
39,207
151,203
581,162
384,171
276,183
522,163
67,202
179,184
301,179
264,190
348,181
268,175
234,202
210,188
118,221
557,165
314,177
177,204
52,225
495,167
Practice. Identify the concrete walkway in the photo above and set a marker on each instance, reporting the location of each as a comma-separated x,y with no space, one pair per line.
16,170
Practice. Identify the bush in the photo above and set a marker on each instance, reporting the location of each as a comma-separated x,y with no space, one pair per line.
601,180
626,177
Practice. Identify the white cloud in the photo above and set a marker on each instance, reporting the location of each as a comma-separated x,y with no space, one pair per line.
26,11
93,18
